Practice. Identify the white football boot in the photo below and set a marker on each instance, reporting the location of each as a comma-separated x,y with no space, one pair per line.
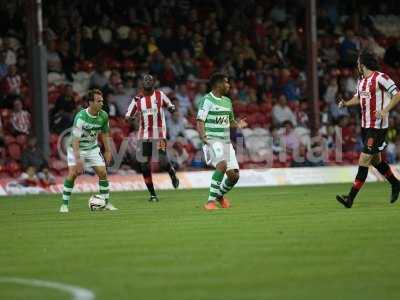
64,208
109,206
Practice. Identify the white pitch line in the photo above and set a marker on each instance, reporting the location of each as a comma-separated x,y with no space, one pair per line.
77,292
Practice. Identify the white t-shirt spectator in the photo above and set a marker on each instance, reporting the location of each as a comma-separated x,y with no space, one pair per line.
281,114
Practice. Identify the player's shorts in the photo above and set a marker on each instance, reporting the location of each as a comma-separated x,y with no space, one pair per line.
373,140
216,151
146,148
91,158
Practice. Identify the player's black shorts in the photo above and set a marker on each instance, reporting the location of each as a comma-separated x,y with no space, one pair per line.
373,140
147,148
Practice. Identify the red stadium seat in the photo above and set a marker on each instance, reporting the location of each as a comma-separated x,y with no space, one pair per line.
9,139
13,168
22,140
14,151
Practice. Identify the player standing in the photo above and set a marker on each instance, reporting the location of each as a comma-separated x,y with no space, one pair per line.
84,150
152,132
377,94
214,120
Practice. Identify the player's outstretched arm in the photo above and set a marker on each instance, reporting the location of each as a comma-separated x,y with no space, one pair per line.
393,102
201,130
352,102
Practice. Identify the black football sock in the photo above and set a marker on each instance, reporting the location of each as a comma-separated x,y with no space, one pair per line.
385,170
148,180
166,164
358,182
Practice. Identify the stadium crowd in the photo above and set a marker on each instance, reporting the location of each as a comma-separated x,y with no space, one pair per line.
259,44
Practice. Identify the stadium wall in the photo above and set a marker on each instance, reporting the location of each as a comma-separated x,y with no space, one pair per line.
201,179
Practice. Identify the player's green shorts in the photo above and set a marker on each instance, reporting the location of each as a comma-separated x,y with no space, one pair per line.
91,158
216,151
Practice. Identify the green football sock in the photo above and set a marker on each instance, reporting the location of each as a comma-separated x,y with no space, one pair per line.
103,185
225,187
67,190
215,183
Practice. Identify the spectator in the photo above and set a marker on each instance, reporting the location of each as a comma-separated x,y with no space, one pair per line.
349,49
281,112
54,63
99,79
176,126
392,55
62,115
28,177
290,139
11,57
20,119
32,156
3,65
185,104
11,86
121,99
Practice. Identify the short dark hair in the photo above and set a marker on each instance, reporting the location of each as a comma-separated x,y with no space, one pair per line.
217,78
368,60
92,93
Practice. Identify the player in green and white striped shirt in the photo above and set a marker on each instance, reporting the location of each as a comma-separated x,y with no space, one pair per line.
84,150
214,120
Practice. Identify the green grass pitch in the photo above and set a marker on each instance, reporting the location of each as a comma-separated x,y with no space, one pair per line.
274,243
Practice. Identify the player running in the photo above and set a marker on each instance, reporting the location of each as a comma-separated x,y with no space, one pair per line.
152,132
377,94
84,150
214,120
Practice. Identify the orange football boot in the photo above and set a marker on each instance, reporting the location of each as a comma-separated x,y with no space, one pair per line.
224,202
210,205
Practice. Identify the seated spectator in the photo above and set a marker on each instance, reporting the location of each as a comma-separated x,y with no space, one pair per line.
3,65
28,177
290,139
185,105
201,91
20,119
392,55
349,49
281,112
62,115
33,156
99,79
179,156
46,178
54,63
121,99
176,125
11,86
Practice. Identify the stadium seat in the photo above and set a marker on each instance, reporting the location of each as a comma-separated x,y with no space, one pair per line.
13,168
22,140
14,151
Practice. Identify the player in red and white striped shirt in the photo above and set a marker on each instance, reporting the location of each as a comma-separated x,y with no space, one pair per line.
152,132
377,94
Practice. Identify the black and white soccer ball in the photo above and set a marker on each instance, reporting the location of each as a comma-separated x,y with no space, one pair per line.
96,202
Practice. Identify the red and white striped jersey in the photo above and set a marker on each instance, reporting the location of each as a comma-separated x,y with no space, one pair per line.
152,117
375,92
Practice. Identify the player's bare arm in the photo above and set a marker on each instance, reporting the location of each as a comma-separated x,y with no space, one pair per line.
202,133
352,102
105,138
393,102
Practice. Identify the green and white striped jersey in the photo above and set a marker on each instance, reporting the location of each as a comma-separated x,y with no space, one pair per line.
217,114
87,128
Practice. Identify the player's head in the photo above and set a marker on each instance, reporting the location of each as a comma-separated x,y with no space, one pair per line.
95,99
148,83
220,82
367,61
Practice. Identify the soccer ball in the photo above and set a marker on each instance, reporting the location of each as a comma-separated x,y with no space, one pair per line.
96,202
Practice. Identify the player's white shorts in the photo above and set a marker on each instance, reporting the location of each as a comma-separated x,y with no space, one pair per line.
215,152
91,158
